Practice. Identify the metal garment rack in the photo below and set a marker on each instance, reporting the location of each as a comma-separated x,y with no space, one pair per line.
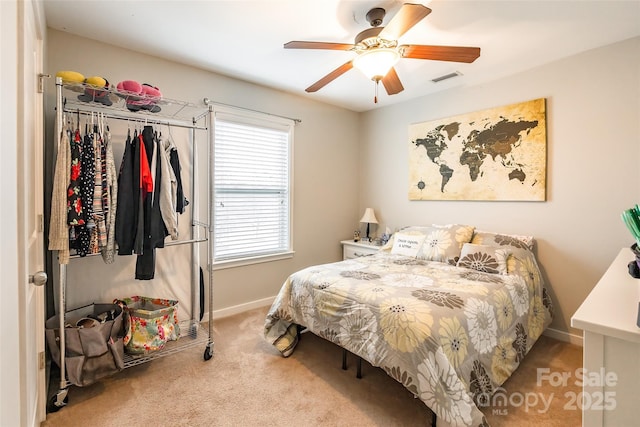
174,113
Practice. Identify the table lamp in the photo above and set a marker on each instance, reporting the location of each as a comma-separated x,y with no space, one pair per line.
370,218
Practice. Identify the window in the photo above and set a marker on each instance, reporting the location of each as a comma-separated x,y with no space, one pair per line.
252,186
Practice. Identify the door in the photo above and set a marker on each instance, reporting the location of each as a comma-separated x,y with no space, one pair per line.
30,213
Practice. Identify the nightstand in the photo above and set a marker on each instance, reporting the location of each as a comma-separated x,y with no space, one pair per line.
351,249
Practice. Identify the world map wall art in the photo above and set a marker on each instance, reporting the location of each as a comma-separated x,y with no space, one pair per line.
495,154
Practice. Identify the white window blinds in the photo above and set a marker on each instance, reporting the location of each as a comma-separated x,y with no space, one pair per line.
251,182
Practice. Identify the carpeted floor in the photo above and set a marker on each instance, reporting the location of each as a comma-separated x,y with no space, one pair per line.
248,383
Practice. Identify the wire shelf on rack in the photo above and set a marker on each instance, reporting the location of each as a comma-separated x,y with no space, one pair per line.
127,105
192,334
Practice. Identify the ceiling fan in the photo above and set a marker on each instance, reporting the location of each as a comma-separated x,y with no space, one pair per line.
377,49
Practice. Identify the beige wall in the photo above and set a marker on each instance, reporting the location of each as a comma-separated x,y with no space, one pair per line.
325,205
346,161
593,173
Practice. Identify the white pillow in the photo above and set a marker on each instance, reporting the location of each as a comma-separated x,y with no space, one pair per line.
407,244
444,242
409,229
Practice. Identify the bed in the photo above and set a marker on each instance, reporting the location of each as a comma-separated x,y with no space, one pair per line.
447,311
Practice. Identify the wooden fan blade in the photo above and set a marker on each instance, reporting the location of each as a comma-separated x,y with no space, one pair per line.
330,77
408,16
392,83
317,45
441,53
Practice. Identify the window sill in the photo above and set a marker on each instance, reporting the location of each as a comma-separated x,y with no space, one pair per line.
232,263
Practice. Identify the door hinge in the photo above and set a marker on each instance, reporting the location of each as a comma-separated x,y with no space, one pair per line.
40,224
41,360
41,78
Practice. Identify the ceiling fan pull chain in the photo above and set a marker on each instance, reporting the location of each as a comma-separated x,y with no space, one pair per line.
375,97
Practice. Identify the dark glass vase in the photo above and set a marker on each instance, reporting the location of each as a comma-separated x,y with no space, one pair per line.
634,266
636,251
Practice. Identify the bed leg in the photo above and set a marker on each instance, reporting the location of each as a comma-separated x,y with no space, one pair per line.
299,329
344,363
434,419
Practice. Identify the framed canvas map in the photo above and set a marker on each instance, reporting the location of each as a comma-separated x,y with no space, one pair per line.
495,154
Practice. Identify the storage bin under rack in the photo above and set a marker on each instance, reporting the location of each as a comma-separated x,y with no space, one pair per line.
173,113
192,336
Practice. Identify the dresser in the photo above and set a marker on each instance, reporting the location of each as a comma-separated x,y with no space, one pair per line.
351,249
611,353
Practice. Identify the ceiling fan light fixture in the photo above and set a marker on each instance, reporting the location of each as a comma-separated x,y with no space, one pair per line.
377,49
376,63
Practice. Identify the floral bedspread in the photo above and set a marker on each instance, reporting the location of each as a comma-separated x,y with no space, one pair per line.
450,335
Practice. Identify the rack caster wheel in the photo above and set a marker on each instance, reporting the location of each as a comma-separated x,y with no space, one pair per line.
54,405
208,352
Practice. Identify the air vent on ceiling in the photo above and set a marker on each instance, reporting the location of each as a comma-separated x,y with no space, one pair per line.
446,77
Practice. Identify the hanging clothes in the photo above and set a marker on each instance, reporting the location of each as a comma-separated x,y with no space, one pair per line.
99,231
154,229
129,198
80,235
168,147
75,209
158,231
182,201
168,192
144,189
58,228
111,207
146,178
96,209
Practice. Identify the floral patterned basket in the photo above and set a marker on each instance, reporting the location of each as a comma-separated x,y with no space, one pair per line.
149,323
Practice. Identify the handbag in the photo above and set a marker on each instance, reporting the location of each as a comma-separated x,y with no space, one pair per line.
149,323
93,337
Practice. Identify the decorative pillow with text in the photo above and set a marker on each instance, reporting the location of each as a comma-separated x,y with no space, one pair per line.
410,229
407,244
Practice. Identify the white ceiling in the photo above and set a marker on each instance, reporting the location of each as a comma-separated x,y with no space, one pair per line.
244,38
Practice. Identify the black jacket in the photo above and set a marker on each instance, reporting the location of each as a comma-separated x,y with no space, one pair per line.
128,194
154,228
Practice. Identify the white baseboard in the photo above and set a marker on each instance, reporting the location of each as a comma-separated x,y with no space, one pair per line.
241,308
563,336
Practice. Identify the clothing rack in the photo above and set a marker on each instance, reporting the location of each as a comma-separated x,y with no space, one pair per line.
178,114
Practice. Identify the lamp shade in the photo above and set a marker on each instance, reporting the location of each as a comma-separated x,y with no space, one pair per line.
369,217
376,63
